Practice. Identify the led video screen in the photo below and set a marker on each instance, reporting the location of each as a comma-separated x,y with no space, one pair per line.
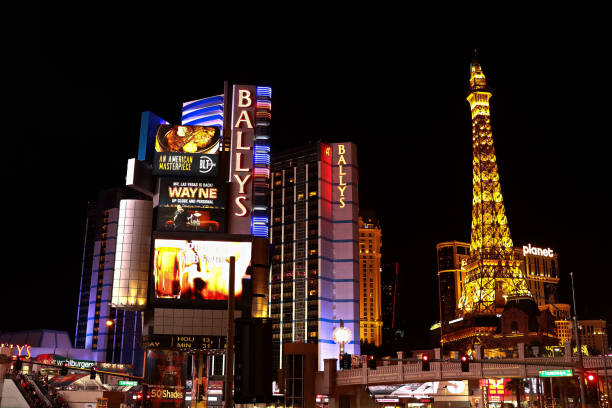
198,270
186,150
191,205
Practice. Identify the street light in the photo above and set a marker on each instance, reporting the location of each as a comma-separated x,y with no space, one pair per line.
579,346
342,335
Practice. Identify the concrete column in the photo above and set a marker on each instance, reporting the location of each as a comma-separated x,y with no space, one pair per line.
400,365
521,356
329,377
437,366
521,350
478,356
364,369
567,352
478,349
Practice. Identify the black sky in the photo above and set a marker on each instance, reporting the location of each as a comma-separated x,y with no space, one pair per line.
75,119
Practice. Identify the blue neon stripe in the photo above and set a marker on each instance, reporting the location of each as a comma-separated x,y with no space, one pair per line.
201,102
338,300
204,120
218,109
333,342
317,257
338,280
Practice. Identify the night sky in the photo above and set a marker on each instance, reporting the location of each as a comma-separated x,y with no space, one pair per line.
75,118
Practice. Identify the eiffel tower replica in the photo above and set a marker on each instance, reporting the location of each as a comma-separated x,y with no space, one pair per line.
493,274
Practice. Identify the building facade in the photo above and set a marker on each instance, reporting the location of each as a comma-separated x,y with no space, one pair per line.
452,257
370,244
390,300
594,335
112,334
541,270
563,323
314,280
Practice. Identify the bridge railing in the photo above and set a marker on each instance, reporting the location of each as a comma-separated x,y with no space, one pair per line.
404,371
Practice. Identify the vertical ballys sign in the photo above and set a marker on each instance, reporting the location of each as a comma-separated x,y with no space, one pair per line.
241,161
341,174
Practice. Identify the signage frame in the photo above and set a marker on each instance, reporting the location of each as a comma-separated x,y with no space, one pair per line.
556,373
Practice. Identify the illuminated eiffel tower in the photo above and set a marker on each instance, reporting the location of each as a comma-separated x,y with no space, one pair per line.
493,272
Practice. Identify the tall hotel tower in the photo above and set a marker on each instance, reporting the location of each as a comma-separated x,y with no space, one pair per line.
314,274
451,256
112,333
370,242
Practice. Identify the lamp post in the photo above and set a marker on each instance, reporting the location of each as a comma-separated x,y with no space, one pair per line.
579,346
342,335
604,346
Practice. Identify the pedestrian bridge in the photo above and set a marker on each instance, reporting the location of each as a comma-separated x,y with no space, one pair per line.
401,371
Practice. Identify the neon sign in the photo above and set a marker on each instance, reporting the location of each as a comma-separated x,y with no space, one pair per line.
341,173
20,350
529,250
244,101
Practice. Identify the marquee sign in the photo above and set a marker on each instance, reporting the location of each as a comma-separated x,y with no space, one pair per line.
241,160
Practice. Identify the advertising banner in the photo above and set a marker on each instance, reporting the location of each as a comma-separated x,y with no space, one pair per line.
435,389
166,378
186,151
191,205
198,270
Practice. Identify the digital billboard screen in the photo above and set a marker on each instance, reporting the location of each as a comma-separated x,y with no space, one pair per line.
195,270
186,151
191,205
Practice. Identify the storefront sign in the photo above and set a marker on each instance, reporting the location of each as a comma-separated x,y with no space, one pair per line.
496,388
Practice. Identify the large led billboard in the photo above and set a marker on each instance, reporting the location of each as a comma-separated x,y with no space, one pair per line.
194,270
421,390
186,151
191,205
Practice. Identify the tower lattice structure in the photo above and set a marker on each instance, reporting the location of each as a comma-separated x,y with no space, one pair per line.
493,272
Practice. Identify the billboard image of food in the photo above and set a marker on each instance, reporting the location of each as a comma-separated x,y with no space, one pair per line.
187,139
198,270
191,205
186,150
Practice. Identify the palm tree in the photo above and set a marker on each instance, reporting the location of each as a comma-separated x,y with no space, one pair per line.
517,385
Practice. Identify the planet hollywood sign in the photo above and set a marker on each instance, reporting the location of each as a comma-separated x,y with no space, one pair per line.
529,250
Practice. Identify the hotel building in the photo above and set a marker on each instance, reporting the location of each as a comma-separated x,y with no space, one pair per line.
113,334
370,243
593,334
450,256
314,274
